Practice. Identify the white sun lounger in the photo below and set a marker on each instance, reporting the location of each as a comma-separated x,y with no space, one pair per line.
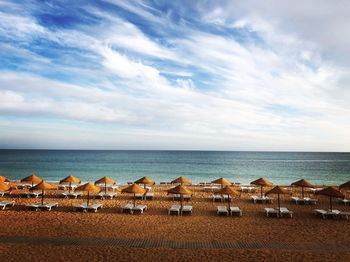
6,192
263,199
186,209
270,211
71,194
174,209
345,201
139,208
345,215
235,210
104,195
310,201
5,203
31,194
128,208
45,206
217,198
85,207
327,214
286,212
222,210
295,200
178,197
139,196
149,195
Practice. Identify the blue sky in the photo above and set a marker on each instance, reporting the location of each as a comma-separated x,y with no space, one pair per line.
203,75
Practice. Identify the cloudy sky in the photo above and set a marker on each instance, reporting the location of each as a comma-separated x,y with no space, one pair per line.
203,75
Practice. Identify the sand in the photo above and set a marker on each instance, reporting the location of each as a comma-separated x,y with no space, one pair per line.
111,235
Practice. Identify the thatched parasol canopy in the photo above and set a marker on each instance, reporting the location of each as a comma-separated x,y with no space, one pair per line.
222,181
181,180
346,185
42,186
34,179
4,186
330,192
261,182
134,189
90,188
70,180
4,179
181,190
105,180
277,190
145,181
302,183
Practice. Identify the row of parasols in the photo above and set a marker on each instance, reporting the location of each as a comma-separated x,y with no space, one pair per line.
226,186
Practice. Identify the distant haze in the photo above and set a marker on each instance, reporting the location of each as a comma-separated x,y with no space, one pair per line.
185,75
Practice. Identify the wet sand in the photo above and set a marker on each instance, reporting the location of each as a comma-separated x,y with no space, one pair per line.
62,234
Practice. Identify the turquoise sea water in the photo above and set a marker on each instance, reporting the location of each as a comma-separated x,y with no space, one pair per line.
198,166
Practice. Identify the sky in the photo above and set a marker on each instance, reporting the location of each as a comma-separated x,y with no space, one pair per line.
175,75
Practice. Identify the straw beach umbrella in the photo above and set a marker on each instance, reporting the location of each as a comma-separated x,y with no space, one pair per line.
105,180
228,190
145,181
4,186
346,185
222,181
34,179
181,180
180,190
302,183
277,190
70,180
330,192
4,179
134,189
89,188
42,186
261,182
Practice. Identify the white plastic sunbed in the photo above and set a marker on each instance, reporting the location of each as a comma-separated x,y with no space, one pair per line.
235,210
263,199
6,192
186,209
222,210
128,208
71,194
85,207
45,206
149,195
286,212
174,209
5,203
104,195
270,211
345,201
31,194
217,198
326,214
139,208
184,197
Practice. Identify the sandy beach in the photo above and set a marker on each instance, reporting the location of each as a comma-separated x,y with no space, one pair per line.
62,234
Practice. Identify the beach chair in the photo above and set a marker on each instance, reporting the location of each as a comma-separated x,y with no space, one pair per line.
139,208
310,201
345,215
6,192
254,199
186,209
139,196
286,212
344,201
174,209
222,210
149,196
5,203
46,206
29,194
235,211
327,214
85,207
295,200
128,208
320,212
71,194
217,198
109,195
270,211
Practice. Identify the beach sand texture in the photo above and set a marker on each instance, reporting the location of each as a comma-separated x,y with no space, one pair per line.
64,235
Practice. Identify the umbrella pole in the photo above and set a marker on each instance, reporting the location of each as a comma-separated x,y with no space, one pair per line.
134,200
302,192
228,200
330,202
261,190
105,188
70,186
42,197
279,206
88,198
181,199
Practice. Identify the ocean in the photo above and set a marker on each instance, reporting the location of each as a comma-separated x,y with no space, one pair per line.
199,166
